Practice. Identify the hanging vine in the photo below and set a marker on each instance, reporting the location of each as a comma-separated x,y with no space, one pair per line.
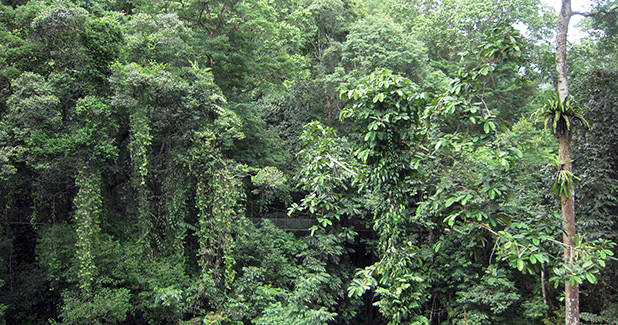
140,140
176,212
88,204
221,213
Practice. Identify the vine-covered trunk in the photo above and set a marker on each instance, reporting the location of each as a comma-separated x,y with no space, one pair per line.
88,204
564,156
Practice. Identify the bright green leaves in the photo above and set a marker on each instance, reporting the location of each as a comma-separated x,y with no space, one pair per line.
430,172
269,184
489,126
228,127
327,175
268,177
403,137
494,289
463,102
107,305
247,43
402,285
476,95
563,183
388,113
399,286
476,187
389,110
362,282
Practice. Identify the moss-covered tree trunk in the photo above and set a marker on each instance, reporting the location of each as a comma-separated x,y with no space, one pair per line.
564,156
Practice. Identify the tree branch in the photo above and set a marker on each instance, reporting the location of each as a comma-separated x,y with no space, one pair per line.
341,165
585,14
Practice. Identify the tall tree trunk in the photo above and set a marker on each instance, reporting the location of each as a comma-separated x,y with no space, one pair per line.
561,48
571,293
564,155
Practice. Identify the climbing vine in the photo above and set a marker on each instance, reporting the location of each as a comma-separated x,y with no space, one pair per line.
388,110
140,140
221,215
88,205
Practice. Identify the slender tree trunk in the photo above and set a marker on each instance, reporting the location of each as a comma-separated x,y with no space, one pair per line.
564,155
543,289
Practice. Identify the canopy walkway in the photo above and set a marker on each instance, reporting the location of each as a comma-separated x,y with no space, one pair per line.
289,223
303,224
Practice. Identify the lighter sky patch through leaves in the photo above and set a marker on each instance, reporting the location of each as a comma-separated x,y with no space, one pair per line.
575,33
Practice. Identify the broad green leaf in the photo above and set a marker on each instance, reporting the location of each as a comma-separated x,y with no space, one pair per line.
591,278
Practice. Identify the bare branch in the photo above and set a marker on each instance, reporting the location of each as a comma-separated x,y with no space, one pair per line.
341,165
585,14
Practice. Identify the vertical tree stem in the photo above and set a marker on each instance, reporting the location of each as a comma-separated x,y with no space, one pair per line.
564,155
543,286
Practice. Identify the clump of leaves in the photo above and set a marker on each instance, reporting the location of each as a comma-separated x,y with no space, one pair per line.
588,258
561,113
563,181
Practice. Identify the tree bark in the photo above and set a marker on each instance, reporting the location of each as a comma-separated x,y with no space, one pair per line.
561,47
567,203
564,156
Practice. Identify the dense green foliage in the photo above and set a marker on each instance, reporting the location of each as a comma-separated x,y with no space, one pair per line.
301,162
